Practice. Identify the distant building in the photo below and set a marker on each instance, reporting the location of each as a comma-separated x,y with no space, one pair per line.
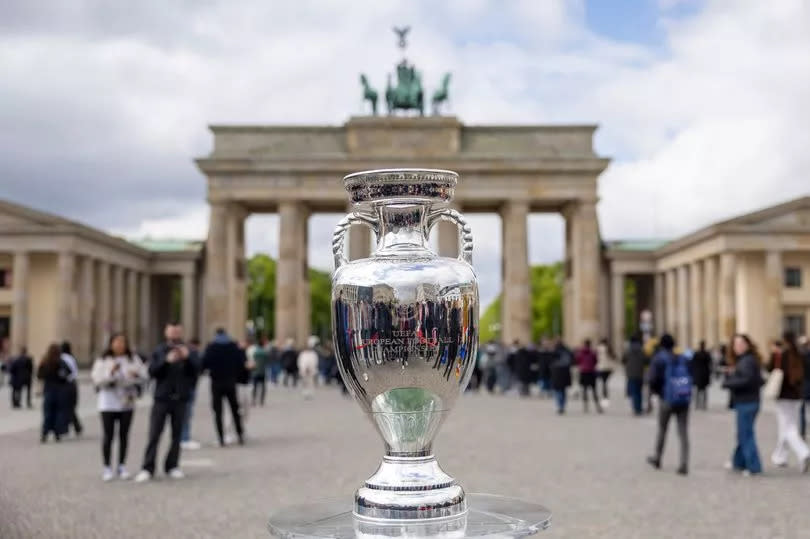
63,280
748,274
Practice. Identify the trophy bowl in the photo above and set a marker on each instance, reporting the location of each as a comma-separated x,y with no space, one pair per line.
405,331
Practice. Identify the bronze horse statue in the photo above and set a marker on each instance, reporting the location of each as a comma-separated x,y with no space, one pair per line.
369,94
441,95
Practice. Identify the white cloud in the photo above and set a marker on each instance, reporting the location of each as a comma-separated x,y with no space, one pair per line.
103,109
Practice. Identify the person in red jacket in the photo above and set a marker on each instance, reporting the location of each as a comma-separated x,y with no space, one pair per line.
586,362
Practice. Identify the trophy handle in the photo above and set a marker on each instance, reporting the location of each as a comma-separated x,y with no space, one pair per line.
339,237
465,239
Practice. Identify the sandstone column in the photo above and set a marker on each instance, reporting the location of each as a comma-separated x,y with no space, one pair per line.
216,266
710,297
659,316
304,292
65,312
85,344
145,333
585,262
617,311
236,272
104,302
359,239
683,336
696,304
19,306
187,304
774,275
132,306
727,290
118,296
515,305
671,303
569,323
292,286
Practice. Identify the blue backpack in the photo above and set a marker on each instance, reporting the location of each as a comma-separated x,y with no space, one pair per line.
677,382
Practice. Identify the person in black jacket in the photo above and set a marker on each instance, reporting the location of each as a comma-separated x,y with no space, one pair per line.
54,374
525,358
175,372
635,360
21,373
545,358
745,382
701,376
225,363
805,351
560,374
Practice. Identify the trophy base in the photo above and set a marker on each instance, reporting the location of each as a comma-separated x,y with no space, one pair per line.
409,488
487,516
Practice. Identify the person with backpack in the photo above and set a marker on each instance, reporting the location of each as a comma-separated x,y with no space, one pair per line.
671,380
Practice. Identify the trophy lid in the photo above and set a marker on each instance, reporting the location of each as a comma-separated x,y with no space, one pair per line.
401,183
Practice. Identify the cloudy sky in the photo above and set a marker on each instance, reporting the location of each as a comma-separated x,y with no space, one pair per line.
702,105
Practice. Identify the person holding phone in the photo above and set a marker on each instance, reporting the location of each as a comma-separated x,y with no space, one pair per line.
175,372
117,376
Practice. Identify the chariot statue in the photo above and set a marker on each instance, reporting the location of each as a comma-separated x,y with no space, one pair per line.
406,93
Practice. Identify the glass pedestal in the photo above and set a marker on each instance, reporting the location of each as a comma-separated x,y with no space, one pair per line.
487,516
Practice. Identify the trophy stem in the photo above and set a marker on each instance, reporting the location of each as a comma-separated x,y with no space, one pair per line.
405,488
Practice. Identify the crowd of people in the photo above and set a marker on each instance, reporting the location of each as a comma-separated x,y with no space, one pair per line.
238,372
656,370
678,378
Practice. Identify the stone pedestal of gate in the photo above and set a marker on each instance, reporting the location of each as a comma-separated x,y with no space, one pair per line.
296,171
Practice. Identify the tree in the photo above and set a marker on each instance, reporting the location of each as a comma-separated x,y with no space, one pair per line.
261,270
546,305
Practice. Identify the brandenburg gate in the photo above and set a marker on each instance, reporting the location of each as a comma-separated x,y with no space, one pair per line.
296,171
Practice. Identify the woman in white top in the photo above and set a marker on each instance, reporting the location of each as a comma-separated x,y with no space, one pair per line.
308,366
605,365
118,376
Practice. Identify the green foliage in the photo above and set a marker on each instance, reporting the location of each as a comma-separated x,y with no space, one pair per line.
261,271
261,291
491,321
630,307
320,289
546,305
546,290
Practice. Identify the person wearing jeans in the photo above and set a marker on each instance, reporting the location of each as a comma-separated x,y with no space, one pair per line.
560,374
634,361
745,383
746,454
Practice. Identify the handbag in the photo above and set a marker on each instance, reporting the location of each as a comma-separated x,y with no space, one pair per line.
773,386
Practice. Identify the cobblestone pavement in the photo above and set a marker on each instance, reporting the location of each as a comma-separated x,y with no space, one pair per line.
588,469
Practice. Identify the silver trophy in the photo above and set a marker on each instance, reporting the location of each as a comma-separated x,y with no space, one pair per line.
405,329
